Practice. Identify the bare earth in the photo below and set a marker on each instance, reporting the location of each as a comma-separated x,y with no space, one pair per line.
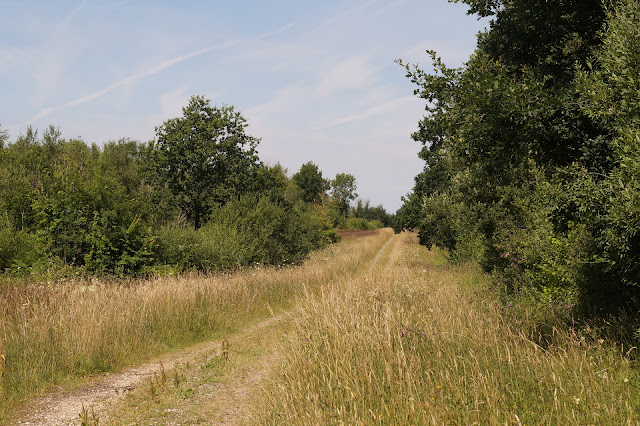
119,398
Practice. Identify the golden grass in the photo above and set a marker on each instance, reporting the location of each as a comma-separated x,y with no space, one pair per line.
414,344
54,333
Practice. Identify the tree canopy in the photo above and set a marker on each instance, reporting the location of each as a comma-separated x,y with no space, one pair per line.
522,146
205,157
343,190
309,179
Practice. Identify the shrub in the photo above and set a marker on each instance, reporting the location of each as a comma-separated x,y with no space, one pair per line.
272,232
357,223
176,245
218,248
18,249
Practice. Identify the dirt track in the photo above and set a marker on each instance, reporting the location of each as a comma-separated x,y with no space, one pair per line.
229,401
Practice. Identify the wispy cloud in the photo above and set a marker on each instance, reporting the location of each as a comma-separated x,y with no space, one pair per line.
276,32
353,73
73,13
128,80
373,111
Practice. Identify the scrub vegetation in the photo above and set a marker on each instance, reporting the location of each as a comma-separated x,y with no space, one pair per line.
531,158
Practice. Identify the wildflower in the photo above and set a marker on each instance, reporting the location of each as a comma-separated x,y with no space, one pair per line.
626,380
577,400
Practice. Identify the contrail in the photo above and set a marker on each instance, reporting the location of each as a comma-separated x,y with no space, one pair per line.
127,80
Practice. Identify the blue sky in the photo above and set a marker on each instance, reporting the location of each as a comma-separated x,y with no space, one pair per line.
315,80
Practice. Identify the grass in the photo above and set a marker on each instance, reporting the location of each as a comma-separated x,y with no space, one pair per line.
212,388
422,342
57,333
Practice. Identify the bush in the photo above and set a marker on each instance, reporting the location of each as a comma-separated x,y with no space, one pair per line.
250,230
176,245
272,232
363,224
117,245
218,248
18,249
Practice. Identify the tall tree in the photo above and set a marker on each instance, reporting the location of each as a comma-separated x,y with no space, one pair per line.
505,140
343,191
309,179
204,157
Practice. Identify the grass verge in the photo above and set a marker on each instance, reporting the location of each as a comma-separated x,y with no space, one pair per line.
55,334
422,342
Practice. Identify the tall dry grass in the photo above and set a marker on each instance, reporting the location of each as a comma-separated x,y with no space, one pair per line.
51,333
413,344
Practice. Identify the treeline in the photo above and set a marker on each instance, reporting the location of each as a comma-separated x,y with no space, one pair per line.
196,197
532,153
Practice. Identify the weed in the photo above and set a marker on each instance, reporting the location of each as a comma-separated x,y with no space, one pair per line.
225,349
88,416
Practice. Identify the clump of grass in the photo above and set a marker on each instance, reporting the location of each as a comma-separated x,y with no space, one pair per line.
55,333
88,417
413,344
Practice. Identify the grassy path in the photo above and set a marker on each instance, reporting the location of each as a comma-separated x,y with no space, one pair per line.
398,337
214,382
417,341
118,390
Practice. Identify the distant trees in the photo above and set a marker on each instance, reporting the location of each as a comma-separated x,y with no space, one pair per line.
364,210
198,196
204,157
310,181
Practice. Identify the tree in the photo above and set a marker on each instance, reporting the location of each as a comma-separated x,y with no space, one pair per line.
4,137
204,157
309,179
343,191
506,139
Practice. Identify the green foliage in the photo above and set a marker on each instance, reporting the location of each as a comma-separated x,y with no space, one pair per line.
4,137
271,181
531,151
364,210
18,250
309,179
272,233
176,245
251,230
66,206
343,191
116,249
204,157
363,224
610,206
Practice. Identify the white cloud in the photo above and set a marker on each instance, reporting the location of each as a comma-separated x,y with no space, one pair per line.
392,105
352,73
129,80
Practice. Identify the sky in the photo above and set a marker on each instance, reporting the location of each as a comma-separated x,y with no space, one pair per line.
315,80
